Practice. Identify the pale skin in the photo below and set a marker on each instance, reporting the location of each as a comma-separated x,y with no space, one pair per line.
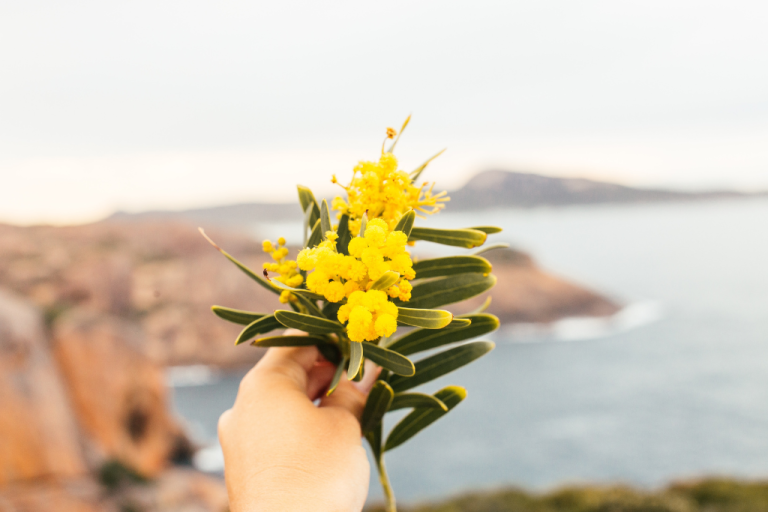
284,453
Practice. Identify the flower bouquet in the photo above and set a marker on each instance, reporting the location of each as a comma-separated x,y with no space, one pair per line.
354,284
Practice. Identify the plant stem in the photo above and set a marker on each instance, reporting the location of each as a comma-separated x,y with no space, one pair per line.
384,479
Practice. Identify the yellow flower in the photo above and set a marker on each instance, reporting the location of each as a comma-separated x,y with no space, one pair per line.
385,192
286,268
336,276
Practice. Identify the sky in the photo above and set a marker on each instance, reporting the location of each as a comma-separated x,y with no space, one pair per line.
140,105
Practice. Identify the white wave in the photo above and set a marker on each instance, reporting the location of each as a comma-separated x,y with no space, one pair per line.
192,375
209,459
632,316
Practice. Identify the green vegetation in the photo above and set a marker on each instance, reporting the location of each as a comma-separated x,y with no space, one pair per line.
712,495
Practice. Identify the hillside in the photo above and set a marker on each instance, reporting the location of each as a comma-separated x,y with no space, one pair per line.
488,189
503,189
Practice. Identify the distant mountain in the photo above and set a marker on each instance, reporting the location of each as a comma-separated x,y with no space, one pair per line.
489,189
500,189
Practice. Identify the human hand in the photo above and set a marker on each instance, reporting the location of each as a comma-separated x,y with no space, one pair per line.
282,452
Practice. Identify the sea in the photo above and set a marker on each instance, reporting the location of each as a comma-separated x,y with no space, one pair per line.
673,387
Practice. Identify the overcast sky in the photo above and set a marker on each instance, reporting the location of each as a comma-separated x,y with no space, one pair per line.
135,105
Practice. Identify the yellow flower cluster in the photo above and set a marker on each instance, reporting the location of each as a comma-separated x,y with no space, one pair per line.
289,275
384,192
337,276
370,315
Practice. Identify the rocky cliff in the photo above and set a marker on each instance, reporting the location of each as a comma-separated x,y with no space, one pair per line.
76,407
157,281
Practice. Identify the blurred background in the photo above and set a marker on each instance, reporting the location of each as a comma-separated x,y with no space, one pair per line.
622,146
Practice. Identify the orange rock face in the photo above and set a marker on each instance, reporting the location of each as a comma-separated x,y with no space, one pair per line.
118,393
38,433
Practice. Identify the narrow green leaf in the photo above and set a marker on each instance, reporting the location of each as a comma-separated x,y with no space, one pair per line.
309,305
420,340
439,364
394,143
421,418
386,280
373,436
412,400
342,243
468,238
316,236
363,224
355,359
307,225
451,265
392,361
307,198
480,309
458,322
416,173
489,230
330,352
297,291
337,375
490,248
250,273
331,310
447,290
307,323
426,318
260,326
289,341
377,404
405,224
236,316
325,218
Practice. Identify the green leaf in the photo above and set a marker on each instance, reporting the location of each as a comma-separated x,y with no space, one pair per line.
373,436
355,359
260,326
427,318
325,218
236,316
458,322
307,198
490,248
392,361
416,173
363,224
297,291
309,305
468,238
451,265
337,375
377,404
488,230
421,418
412,400
439,364
316,236
420,340
386,280
405,224
289,341
447,290
480,309
331,310
342,243
307,323
330,352
250,273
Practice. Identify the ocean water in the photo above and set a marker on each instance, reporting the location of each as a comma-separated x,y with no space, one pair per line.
675,386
